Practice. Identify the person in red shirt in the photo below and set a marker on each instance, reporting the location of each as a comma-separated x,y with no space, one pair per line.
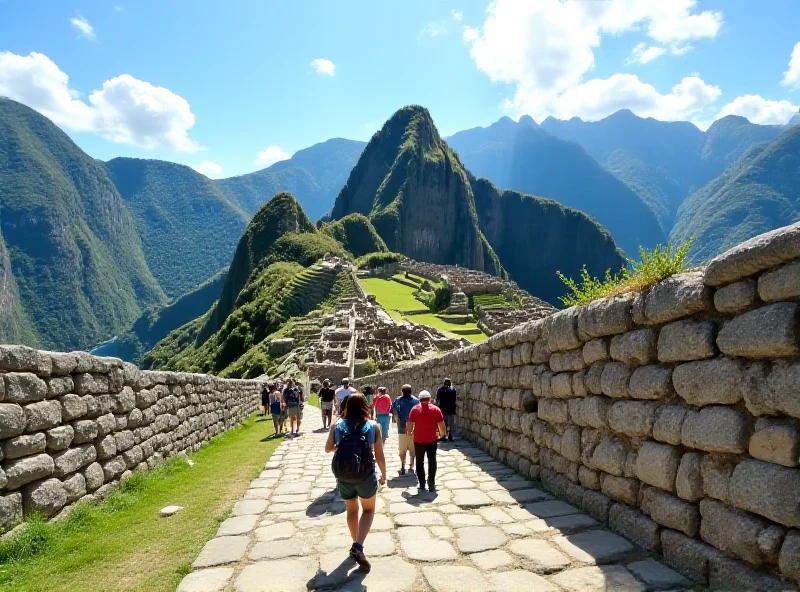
426,423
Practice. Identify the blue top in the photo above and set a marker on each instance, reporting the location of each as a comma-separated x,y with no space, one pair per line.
345,426
402,406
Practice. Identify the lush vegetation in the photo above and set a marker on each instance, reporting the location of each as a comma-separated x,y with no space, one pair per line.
123,543
489,301
652,266
71,251
313,175
356,234
188,228
373,260
758,193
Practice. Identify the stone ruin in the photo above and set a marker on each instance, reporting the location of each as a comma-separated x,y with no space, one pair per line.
469,282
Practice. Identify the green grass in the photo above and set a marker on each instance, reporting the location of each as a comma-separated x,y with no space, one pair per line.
398,300
122,543
653,266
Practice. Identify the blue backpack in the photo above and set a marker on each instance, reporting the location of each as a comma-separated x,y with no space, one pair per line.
353,461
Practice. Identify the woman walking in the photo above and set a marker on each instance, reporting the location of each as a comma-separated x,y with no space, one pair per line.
276,408
358,444
383,411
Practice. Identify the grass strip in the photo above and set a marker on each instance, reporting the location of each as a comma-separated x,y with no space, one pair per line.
122,543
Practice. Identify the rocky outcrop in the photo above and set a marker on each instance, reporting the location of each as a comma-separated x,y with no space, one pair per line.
670,415
73,425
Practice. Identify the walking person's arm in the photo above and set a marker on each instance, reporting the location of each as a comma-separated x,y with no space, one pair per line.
409,428
379,457
441,429
330,443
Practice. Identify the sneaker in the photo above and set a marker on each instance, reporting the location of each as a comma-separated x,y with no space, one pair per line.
450,439
431,486
402,471
361,559
421,489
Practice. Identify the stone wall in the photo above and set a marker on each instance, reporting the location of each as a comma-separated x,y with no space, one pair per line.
73,425
672,416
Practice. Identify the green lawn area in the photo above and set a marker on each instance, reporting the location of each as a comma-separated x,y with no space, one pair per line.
122,543
398,300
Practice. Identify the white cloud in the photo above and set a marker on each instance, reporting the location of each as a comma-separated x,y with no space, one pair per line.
270,156
323,66
83,26
760,110
643,53
546,48
125,110
792,76
457,15
209,168
433,29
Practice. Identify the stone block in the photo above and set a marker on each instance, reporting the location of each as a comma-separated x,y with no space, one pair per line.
607,316
768,490
621,489
12,420
571,443
614,379
676,297
561,385
27,469
689,479
24,387
59,385
776,441
20,358
633,418
657,464
85,430
670,511
90,384
716,472
75,487
755,255
553,411
777,388
782,283
72,407
716,429
42,416
609,456
597,505
44,497
10,510
766,332
106,424
94,476
635,348
686,340
669,422
25,445
689,556
562,330
70,460
113,468
635,526
59,438
595,350
588,478
720,381
789,558
736,533
735,298
651,382
579,385
731,574
106,447
124,440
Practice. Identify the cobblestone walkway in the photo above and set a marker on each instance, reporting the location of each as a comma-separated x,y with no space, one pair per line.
487,529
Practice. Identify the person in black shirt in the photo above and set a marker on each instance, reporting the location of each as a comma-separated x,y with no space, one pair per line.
326,395
446,401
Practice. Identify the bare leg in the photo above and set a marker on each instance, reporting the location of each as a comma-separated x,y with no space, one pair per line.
352,516
367,515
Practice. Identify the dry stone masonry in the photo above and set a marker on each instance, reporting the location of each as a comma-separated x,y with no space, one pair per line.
73,425
672,416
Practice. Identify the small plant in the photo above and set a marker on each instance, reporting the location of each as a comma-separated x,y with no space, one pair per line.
653,266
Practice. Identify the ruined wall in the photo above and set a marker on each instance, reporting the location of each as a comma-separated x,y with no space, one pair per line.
672,416
72,425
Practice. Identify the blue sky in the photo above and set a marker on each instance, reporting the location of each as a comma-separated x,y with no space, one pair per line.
200,81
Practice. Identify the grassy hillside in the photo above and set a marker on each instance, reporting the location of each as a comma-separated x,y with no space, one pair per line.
357,234
759,193
72,245
314,176
188,228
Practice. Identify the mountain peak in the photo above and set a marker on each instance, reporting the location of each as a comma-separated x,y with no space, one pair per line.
795,120
527,120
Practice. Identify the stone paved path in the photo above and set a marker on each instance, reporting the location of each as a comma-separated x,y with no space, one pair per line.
487,529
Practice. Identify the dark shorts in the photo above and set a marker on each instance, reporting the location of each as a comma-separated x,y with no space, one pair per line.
364,490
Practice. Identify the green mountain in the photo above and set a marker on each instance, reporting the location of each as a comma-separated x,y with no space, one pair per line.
356,234
416,193
314,176
758,193
70,244
525,158
280,231
663,161
188,228
425,204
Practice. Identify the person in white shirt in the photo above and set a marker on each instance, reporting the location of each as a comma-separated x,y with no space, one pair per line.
342,393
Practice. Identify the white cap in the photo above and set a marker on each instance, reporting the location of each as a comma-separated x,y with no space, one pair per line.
424,395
